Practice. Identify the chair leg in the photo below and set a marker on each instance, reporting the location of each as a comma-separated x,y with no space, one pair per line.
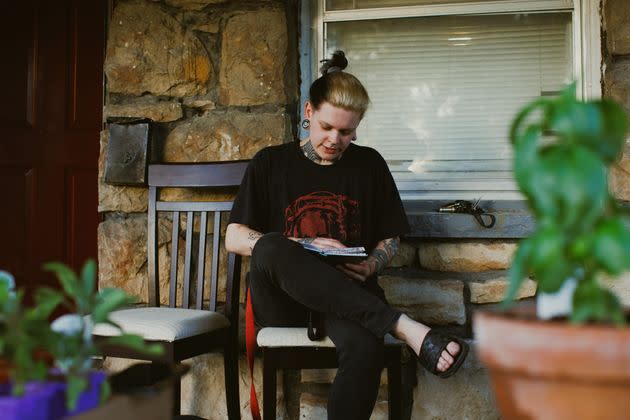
230,363
394,385
177,396
269,386
177,384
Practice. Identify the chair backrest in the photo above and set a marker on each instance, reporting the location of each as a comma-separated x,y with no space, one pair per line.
204,175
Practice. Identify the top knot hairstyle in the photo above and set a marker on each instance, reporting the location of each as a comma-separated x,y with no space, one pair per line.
337,87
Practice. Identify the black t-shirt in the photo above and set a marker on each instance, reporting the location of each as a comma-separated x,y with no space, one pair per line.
354,200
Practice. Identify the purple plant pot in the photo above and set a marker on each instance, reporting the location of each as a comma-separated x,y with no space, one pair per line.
47,400
89,398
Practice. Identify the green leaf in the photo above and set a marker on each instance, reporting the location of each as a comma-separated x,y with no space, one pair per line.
554,275
521,117
113,324
546,258
88,278
5,294
67,278
105,392
109,300
610,139
611,245
135,342
591,302
518,271
582,247
76,384
537,184
580,185
598,125
46,301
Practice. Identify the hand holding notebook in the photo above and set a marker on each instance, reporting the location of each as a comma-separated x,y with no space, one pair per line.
338,255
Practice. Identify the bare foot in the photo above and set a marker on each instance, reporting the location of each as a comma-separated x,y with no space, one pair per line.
413,333
448,356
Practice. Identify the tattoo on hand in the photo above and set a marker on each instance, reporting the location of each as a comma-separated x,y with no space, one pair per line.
391,246
380,258
254,236
383,254
306,240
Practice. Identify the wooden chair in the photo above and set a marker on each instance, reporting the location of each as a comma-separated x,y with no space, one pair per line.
196,327
290,348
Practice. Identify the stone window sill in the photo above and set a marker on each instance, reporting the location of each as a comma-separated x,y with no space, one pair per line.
513,221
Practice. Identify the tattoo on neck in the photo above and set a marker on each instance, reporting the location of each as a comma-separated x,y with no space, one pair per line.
310,153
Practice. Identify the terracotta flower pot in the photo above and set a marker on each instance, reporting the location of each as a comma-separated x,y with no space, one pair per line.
554,370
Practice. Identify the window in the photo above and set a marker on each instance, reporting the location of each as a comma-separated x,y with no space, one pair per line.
446,78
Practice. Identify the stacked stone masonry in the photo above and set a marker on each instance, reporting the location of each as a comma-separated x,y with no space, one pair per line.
219,79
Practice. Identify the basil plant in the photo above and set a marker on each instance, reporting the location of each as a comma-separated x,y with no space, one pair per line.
563,148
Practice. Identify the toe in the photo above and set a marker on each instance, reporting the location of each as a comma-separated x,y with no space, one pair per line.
447,358
442,365
453,348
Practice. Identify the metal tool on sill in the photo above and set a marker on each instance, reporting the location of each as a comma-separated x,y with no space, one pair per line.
485,219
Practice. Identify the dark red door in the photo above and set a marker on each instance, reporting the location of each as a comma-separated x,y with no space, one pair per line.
50,118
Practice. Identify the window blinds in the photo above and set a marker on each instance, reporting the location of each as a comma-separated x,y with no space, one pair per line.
445,89
366,4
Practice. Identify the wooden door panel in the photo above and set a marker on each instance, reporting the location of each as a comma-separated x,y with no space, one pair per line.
51,119
85,66
17,185
80,214
17,109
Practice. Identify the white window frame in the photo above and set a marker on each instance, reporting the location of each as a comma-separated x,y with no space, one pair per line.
586,24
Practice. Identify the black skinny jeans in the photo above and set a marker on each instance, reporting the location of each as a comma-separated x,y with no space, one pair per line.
286,281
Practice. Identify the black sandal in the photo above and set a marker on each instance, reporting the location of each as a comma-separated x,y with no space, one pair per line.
432,347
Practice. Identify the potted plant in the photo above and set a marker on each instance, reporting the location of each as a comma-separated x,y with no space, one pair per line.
576,366
71,386
24,334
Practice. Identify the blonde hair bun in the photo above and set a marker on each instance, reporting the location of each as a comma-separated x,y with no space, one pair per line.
337,87
338,62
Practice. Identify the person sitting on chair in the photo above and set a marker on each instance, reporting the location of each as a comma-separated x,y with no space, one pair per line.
329,192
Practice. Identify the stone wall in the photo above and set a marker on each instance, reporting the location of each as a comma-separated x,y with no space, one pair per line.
219,79
210,74
616,81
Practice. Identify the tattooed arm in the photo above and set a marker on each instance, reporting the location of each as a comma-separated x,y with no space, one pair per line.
383,253
240,239
380,256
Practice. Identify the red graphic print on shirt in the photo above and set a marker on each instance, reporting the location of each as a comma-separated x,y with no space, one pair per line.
323,214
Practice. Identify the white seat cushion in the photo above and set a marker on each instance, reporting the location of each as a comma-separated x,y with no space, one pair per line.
164,324
297,337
